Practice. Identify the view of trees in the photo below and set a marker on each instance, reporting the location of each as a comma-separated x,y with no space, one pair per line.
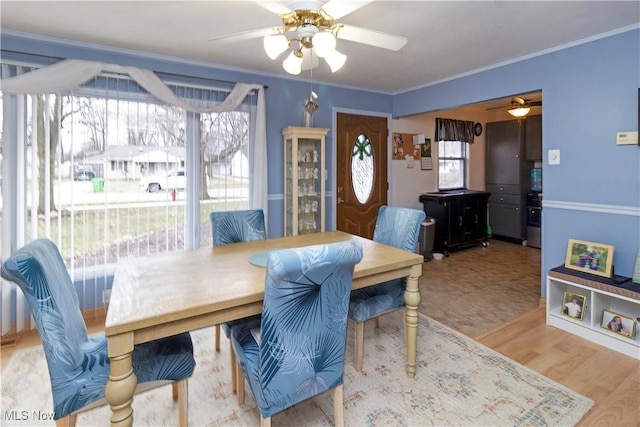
92,124
86,125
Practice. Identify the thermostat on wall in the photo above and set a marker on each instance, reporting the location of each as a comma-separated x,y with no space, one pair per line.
627,138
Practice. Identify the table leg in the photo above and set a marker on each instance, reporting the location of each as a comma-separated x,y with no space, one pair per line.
412,301
122,380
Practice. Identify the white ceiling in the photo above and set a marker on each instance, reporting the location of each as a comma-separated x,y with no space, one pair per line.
446,38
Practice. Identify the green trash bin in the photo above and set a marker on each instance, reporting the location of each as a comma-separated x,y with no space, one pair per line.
98,184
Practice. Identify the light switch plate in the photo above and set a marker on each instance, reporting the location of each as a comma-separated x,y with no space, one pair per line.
627,138
554,157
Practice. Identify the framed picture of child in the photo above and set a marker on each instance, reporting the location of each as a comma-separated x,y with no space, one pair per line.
590,257
621,325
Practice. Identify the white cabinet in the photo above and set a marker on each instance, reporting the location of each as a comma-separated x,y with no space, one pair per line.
304,180
599,296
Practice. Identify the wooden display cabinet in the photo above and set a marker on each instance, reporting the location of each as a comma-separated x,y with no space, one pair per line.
304,180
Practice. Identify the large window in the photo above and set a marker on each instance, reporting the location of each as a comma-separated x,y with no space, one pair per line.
108,171
452,165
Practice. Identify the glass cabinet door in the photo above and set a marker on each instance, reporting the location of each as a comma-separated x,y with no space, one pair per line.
304,198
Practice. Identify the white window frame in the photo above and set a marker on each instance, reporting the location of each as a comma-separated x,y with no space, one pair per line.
463,160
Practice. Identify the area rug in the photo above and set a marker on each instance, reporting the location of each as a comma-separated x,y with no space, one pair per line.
458,382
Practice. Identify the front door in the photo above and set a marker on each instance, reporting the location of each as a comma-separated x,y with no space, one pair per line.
361,185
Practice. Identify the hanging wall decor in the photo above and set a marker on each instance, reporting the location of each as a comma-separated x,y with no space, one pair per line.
426,162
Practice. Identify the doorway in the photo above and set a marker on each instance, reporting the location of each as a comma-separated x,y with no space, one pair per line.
361,177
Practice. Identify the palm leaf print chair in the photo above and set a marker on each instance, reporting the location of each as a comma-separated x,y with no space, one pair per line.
78,364
232,227
397,227
299,349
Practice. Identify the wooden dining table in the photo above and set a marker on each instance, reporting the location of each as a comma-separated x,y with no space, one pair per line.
161,295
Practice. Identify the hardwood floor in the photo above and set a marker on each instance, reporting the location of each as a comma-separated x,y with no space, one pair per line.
609,378
478,289
493,295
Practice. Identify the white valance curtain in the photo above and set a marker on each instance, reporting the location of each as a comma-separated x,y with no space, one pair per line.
71,73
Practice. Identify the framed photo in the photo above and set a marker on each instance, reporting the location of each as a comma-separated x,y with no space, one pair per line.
589,257
619,324
636,270
574,305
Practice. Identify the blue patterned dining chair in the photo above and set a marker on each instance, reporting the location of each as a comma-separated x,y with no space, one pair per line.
78,364
298,350
233,227
397,227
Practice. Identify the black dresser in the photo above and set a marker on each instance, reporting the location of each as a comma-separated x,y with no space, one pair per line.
461,218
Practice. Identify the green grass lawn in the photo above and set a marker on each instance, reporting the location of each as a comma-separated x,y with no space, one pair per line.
94,229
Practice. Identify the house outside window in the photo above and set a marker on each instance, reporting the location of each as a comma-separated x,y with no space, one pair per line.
118,135
452,165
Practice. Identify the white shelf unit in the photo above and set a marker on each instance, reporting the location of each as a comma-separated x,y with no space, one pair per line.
599,296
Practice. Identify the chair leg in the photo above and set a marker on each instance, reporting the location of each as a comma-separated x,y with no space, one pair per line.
338,406
265,422
175,391
218,338
377,319
183,402
68,421
234,368
239,384
359,349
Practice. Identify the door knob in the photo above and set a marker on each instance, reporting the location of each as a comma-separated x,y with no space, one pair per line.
340,200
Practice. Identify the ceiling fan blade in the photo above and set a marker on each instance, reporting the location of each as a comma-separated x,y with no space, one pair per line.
274,6
370,37
247,35
339,8
525,102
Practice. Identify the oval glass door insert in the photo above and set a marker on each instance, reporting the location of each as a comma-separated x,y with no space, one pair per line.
362,168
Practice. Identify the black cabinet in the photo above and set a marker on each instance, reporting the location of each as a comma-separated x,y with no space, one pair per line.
507,179
461,218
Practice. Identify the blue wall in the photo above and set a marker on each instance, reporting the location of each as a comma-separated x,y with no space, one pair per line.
590,92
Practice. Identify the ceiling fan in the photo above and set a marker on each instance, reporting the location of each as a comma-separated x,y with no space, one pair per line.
520,107
310,30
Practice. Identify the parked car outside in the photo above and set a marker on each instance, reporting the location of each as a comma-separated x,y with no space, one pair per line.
83,173
154,183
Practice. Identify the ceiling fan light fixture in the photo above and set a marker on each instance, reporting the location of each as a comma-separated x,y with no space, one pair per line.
324,42
311,24
293,63
335,60
275,44
519,111
309,60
